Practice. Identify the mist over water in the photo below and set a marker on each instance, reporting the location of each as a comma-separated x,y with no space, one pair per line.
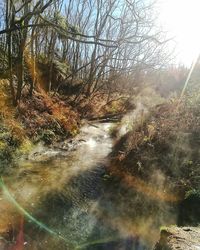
69,200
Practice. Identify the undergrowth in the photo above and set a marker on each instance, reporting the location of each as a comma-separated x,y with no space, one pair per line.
37,118
167,140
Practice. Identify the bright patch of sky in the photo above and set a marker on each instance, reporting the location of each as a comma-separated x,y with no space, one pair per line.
181,18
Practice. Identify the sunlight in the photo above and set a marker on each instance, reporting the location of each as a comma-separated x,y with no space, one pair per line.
92,143
181,19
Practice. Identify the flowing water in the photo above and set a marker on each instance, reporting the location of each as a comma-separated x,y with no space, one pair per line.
65,199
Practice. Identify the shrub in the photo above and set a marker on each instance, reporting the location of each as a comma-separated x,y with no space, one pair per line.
47,136
189,212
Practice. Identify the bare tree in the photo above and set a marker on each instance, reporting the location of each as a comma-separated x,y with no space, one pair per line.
97,39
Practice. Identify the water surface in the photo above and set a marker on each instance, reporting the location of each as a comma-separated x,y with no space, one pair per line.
65,199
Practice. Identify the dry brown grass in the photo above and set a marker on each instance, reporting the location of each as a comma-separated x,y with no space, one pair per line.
8,112
167,141
33,115
41,112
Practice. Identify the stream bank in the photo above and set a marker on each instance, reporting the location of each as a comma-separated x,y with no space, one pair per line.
46,119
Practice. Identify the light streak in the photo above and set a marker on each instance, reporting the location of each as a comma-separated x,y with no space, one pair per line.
29,216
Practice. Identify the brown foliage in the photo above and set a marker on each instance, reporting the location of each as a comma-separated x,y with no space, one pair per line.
168,142
43,112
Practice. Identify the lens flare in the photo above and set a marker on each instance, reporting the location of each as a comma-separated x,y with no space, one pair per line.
19,245
143,187
28,215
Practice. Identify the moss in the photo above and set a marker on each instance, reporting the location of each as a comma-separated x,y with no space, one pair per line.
6,145
2,145
166,228
74,130
5,153
12,143
25,147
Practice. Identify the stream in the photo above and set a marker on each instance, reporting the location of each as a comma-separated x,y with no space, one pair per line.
63,198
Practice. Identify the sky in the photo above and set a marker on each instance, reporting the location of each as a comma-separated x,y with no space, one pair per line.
181,18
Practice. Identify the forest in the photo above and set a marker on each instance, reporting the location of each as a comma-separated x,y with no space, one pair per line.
99,129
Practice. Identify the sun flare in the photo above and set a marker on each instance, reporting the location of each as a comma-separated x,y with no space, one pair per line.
181,19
